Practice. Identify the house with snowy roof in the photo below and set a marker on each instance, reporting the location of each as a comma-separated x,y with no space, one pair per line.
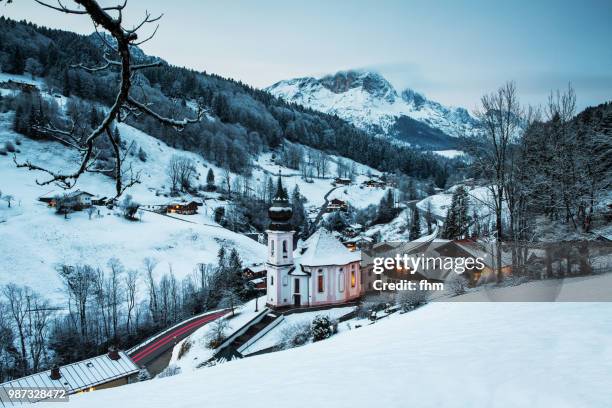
320,271
109,370
77,198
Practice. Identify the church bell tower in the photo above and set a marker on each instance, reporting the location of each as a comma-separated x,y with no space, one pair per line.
280,248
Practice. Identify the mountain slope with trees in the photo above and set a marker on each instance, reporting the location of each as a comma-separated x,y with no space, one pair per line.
242,121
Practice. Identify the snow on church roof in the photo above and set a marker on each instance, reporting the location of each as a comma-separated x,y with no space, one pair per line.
322,248
77,376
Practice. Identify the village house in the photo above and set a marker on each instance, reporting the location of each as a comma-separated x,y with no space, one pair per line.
320,271
256,270
437,249
259,283
375,183
367,263
185,208
342,181
255,274
18,85
106,371
336,205
489,255
353,230
358,242
77,199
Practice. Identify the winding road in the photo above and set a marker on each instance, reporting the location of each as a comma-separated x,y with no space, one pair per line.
149,351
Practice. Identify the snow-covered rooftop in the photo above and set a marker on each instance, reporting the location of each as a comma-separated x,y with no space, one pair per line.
322,248
77,376
257,267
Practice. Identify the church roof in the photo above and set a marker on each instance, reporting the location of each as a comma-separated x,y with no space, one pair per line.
322,248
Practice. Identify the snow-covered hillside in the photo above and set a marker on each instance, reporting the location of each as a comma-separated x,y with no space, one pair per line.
35,239
441,355
480,200
369,101
38,240
316,188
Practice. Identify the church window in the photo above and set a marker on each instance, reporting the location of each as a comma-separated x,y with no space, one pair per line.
284,249
341,281
320,287
272,248
353,278
271,280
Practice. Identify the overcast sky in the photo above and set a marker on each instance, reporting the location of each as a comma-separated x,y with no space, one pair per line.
452,51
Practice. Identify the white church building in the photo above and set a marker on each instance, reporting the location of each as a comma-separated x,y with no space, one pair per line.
320,271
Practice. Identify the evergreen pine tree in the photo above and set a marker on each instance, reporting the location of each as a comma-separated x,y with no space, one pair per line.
281,192
18,62
457,220
93,117
236,282
429,218
415,228
210,180
221,262
18,120
321,328
299,218
270,191
66,84
386,208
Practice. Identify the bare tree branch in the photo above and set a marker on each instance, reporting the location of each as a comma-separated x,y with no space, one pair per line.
177,124
124,105
60,7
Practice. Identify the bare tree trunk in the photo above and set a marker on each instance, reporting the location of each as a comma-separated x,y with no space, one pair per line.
17,299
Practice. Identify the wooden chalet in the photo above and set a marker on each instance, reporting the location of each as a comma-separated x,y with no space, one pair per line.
336,205
257,270
185,208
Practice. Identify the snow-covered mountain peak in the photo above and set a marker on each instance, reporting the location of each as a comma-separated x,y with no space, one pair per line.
369,101
371,82
415,98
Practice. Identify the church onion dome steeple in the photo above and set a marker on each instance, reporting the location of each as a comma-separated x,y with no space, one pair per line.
281,212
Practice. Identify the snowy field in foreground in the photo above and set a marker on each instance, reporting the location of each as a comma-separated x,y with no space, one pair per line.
441,355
